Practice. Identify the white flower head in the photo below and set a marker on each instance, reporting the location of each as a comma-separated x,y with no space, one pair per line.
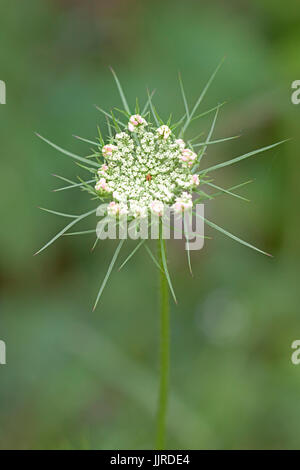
144,175
135,122
164,131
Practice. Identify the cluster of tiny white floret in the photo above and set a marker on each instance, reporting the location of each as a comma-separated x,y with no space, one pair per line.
145,170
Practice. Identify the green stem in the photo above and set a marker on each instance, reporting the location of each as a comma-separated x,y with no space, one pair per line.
164,352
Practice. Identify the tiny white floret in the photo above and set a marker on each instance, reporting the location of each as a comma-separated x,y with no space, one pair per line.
157,207
181,143
183,203
164,131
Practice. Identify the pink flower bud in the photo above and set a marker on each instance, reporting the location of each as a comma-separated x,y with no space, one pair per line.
102,185
107,150
136,121
183,203
188,156
195,180
102,170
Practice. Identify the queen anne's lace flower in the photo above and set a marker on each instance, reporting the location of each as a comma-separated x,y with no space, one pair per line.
145,171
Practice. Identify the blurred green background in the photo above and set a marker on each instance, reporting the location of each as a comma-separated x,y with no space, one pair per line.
76,379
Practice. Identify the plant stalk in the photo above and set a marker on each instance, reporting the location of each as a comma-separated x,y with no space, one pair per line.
164,351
